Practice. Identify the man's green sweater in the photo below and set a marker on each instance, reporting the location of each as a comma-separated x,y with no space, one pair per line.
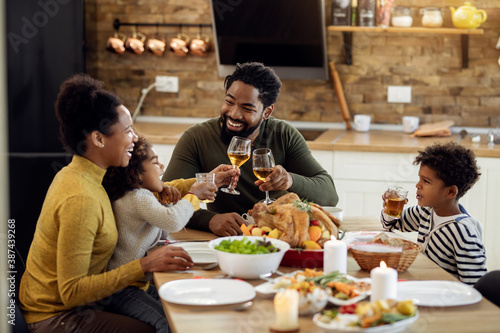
200,149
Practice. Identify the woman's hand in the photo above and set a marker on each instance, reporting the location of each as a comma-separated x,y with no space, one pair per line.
204,190
224,173
170,194
166,258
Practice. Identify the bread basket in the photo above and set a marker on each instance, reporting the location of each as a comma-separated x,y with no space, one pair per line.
400,261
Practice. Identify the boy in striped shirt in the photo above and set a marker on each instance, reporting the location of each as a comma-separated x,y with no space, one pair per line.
448,234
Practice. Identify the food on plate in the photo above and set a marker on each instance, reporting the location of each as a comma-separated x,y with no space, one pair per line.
312,298
296,222
297,277
245,246
336,285
369,314
340,285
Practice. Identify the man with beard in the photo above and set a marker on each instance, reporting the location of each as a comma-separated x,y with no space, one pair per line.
251,92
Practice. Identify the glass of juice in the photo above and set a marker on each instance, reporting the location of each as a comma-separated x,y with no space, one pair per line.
396,199
206,177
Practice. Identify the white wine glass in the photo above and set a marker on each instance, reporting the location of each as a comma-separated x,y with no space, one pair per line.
263,166
239,151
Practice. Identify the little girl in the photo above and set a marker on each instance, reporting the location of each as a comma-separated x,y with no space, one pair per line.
142,220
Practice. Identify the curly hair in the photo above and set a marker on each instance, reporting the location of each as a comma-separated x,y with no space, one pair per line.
453,163
83,106
263,78
120,180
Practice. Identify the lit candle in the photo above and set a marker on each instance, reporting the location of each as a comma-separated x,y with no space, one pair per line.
286,306
334,256
384,282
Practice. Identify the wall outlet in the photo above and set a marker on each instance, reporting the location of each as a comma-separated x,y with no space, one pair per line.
399,94
167,84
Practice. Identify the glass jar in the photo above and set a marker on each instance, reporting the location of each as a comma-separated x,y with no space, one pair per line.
401,17
432,17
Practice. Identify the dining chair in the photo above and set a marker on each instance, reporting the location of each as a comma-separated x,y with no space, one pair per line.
488,284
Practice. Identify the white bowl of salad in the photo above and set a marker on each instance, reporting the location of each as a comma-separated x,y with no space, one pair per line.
248,257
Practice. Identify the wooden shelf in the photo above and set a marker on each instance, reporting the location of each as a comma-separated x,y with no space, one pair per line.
348,41
413,30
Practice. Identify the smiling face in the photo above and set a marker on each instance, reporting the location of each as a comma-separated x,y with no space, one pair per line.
153,170
431,190
118,146
242,112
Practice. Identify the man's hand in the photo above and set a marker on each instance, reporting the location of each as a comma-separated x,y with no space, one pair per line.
224,173
226,224
279,179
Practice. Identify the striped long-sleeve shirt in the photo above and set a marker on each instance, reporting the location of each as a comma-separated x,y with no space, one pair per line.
455,245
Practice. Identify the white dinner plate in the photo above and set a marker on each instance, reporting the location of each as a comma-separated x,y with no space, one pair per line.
438,293
207,291
268,288
199,252
341,326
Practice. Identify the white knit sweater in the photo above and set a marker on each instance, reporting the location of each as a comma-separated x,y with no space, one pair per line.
141,221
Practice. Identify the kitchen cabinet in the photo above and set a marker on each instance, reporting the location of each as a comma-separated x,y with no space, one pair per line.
348,39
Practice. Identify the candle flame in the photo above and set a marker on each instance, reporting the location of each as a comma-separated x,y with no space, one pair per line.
332,237
383,264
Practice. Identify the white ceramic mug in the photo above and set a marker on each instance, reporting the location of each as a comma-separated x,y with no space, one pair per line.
362,122
410,124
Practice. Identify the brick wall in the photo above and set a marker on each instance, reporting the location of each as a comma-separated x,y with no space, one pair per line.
429,63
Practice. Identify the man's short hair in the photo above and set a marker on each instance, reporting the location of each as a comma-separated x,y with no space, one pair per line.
263,78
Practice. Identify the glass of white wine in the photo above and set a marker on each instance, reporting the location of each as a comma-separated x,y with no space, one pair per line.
239,152
263,166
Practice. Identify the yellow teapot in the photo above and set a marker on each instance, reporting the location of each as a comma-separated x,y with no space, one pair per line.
467,16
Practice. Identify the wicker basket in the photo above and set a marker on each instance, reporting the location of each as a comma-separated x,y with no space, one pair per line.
400,261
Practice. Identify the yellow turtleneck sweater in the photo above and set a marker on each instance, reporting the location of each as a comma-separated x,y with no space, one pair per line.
74,239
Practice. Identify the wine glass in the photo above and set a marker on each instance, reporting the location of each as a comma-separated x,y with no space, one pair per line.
263,166
239,152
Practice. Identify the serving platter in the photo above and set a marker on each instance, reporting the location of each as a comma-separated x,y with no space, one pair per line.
303,258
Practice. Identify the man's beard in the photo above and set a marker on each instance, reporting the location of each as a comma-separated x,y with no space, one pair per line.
226,134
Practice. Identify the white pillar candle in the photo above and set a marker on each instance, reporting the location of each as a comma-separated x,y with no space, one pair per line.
384,282
286,306
334,256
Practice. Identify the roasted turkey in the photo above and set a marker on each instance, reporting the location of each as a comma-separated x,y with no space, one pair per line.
291,216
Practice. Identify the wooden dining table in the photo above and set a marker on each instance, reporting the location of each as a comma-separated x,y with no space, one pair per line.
482,316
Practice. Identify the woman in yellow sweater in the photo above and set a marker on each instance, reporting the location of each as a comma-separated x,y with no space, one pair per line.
76,233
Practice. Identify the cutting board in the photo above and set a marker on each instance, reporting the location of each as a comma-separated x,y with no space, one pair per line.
441,128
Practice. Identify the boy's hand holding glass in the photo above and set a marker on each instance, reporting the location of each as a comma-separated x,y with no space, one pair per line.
394,200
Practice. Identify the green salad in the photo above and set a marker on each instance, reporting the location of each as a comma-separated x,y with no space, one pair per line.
245,246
